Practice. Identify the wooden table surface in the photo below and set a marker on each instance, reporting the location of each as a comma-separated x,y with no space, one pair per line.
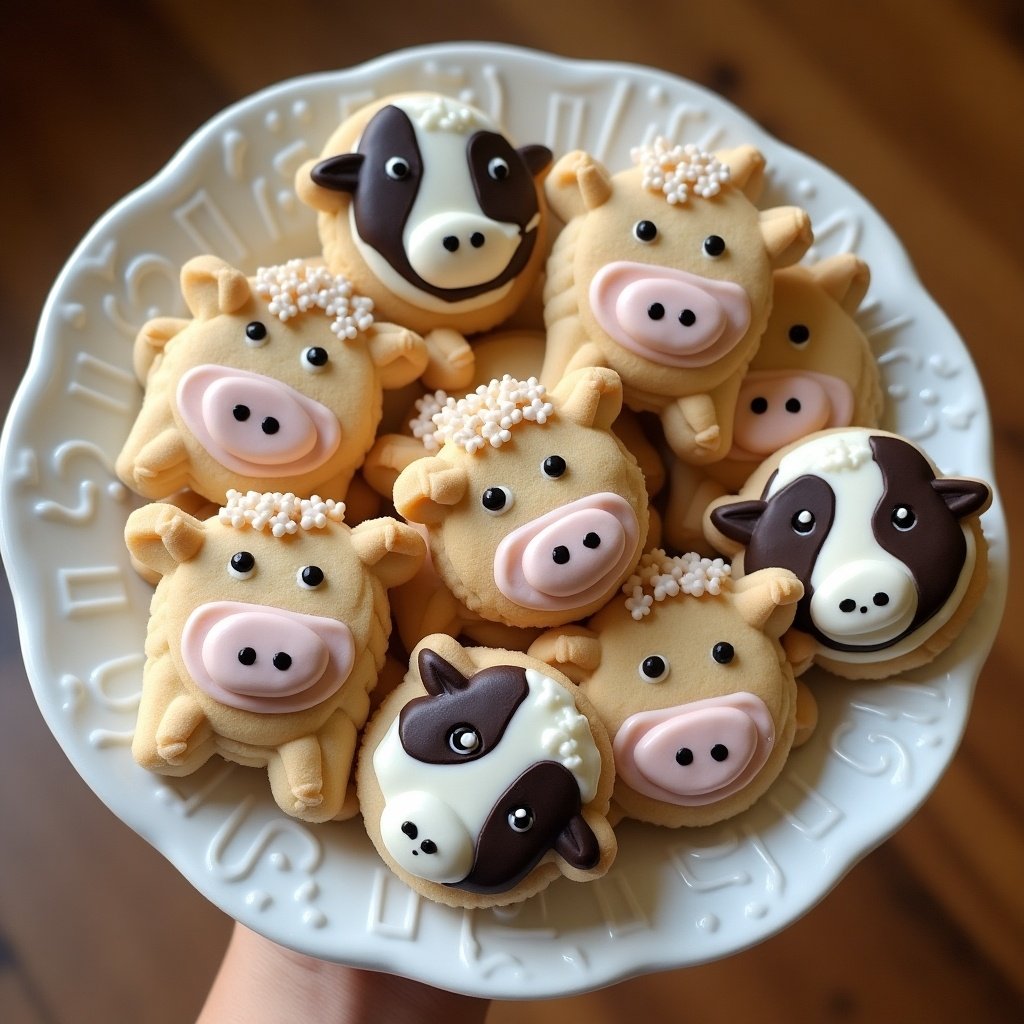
919,104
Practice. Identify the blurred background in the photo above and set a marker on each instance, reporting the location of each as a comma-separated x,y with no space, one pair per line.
919,104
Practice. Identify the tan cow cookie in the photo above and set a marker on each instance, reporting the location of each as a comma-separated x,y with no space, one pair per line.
275,383
534,511
690,678
428,208
814,370
266,635
664,273
485,776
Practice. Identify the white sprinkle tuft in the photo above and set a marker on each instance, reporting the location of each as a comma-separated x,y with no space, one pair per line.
660,576
441,114
296,287
283,514
485,417
680,171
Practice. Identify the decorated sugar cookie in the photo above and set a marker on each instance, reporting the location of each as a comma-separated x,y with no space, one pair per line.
890,552
664,273
814,370
266,634
689,677
534,511
484,776
429,209
275,384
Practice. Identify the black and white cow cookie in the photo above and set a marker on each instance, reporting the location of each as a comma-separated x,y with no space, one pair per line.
484,776
890,552
434,215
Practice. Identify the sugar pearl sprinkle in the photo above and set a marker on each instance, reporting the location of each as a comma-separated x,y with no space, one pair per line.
281,513
660,576
680,171
296,287
484,417
446,115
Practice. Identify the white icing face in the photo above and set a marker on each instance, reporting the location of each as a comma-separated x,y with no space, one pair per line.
448,239
863,594
445,806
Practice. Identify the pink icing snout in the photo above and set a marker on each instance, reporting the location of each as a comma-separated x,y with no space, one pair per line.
776,407
256,425
265,659
572,554
667,315
695,754
567,557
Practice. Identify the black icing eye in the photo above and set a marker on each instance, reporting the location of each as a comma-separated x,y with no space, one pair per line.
310,576
653,668
553,467
497,500
464,739
714,245
314,358
241,565
803,521
397,168
498,168
645,230
723,652
799,334
903,517
520,819
256,333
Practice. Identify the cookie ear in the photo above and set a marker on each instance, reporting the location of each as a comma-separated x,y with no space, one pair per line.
391,550
438,675
767,599
427,488
963,496
400,355
577,183
591,397
746,169
320,197
161,537
537,158
573,650
211,286
845,277
737,520
787,234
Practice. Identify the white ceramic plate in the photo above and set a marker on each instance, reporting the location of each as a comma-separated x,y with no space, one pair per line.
673,897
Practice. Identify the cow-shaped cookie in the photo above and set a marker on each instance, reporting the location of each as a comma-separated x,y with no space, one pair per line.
428,208
814,370
484,776
690,678
275,384
890,553
664,273
266,634
534,511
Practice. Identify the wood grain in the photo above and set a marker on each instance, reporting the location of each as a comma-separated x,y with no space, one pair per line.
919,105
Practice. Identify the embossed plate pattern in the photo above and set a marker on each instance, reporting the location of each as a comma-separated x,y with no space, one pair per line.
674,897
